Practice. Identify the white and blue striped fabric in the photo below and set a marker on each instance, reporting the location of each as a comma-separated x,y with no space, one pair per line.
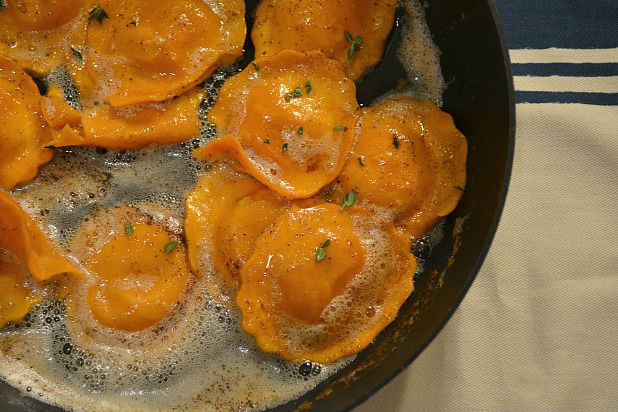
563,51
538,330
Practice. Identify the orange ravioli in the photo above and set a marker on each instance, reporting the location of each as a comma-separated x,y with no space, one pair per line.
21,236
58,113
173,121
389,165
149,50
225,214
410,159
318,287
305,25
139,270
23,133
25,252
17,297
39,34
288,119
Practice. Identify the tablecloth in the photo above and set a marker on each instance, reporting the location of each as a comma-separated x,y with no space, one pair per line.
538,330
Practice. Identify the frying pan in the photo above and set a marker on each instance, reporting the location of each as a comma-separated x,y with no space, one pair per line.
479,95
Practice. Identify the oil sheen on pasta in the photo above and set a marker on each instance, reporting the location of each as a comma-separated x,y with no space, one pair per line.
199,358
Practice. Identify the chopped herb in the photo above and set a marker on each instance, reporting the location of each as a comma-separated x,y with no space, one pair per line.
256,67
348,200
308,87
98,14
355,44
300,130
170,246
321,252
266,141
395,142
294,93
461,189
339,127
361,161
128,228
284,148
76,53
3,4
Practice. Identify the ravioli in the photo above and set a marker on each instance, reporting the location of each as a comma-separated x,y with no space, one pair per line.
21,236
409,159
23,133
57,112
138,268
353,32
149,50
25,252
225,214
17,297
323,282
173,121
39,34
288,119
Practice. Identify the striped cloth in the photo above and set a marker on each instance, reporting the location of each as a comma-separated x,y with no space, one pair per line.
538,330
563,51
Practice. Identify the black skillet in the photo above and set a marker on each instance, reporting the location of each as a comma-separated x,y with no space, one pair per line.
476,67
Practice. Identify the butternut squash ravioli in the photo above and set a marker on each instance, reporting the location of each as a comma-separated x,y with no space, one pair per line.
29,261
306,206
318,276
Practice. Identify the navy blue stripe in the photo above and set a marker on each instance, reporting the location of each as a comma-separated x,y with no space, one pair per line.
565,69
600,99
576,24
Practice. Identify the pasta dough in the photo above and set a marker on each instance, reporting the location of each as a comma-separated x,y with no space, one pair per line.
132,127
25,252
323,282
138,269
289,120
410,160
39,34
149,51
23,134
353,32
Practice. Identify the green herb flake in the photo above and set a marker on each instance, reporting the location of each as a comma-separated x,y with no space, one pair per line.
284,148
98,14
339,127
3,4
297,92
256,67
461,189
320,254
348,200
361,161
170,246
300,130
128,228
266,141
308,87
76,53
395,142
355,44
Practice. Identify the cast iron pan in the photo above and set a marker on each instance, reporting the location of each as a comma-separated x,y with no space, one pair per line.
480,97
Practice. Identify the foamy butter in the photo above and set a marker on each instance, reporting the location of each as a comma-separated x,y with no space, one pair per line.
198,358
420,57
